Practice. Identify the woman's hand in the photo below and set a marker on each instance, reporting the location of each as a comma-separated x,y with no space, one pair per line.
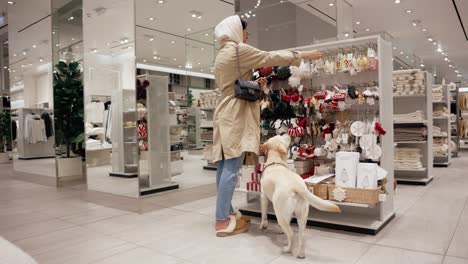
262,82
312,55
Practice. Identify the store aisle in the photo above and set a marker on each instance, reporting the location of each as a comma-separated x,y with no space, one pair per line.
59,226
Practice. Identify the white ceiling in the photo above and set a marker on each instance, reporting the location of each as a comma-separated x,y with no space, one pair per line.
437,16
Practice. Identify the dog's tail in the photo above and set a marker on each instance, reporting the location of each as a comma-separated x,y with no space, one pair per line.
318,203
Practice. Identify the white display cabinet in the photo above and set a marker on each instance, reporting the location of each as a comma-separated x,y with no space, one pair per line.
405,104
362,218
444,158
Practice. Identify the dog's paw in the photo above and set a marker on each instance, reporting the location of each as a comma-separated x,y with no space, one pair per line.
301,256
263,225
286,249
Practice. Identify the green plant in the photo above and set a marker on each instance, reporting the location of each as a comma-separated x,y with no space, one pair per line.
5,129
189,98
68,107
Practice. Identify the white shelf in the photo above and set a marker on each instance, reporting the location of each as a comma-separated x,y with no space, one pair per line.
409,96
206,140
439,102
411,170
207,109
440,117
424,122
411,142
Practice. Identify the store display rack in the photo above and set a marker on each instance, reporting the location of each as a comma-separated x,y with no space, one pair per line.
409,104
355,217
443,123
193,126
454,124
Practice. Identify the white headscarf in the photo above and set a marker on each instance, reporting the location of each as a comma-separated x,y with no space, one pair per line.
229,29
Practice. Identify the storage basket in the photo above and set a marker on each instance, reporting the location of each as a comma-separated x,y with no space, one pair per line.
320,190
356,195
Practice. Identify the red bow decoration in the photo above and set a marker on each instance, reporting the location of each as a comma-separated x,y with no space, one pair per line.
379,129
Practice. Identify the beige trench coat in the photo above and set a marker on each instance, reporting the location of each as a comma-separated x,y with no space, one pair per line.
237,122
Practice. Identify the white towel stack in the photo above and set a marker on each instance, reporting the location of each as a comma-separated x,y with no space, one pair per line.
408,158
440,111
437,94
416,116
408,82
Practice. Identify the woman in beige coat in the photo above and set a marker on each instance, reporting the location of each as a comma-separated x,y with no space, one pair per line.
236,121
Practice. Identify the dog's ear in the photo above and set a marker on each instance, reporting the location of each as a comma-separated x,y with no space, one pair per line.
265,147
281,148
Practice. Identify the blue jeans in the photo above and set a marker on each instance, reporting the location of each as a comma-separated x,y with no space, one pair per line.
226,180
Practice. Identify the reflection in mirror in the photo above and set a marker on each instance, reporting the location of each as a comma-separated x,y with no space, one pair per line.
30,46
5,112
68,89
110,98
277,24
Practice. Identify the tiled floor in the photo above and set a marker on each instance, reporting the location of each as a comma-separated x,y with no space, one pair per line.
62,226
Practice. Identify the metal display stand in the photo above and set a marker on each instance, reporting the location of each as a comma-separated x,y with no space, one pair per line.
454,129
355,217
444,124
409,104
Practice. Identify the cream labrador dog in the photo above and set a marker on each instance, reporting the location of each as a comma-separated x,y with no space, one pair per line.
288,192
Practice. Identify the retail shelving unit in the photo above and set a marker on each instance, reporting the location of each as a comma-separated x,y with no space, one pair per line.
193,127
356,217
454,122
443,122
206,125
408,104
159,165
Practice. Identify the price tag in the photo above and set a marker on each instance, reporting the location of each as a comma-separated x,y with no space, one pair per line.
344,138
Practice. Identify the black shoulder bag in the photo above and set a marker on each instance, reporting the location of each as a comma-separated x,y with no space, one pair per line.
243,89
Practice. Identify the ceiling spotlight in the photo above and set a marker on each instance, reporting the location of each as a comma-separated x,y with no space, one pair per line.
457,71
367,29
281,1
397,2
346,35
108,44
401,53
206,34
253,15
71,18
199,17
53,32
199,63
155,57
415,23
443,53
173,41
180,66
407,56
358,22
189,29
14,55
439,50
151,39
201,70
94,51
422,65
202,49
435,75
144,60
412,60
450,65
34,46
194,15
124,40
174,59
394,48
161,2
409,11
434,43
459,75
446,59
11,2
331,4
424,30
150,18
430,39
242,16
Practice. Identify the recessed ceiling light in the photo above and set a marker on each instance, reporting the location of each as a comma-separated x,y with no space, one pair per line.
450,65
199,63
415,23
201,70
459,75
94,51
202,48
53,32
161,2
180,66
206,34
11,2
173,41
144,60
14,55
443,53
430,39
358,22
407,56
422,65
424,30
34,46
151,39
150,18
155,57
439,50
189,29
194,15
446,59
253,15
367,29
175,59
412,60
457,71
71,18
408,11
346,35
41,59
397,2
199,17
401,52
108,44
434,43
242,16
331,4
394,47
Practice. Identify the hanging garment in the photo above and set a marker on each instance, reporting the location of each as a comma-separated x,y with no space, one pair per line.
95,112
35,130
49,125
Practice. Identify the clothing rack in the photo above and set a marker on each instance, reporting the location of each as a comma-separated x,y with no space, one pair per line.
38,150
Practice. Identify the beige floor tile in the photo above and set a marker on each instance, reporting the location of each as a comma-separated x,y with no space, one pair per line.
9,253
34,229
387,255
430,219
459,245
121,223
85,251
93,215
454,260
17,219
56,240
141,256
164,213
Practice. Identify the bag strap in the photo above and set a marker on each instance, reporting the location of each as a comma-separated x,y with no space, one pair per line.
238,62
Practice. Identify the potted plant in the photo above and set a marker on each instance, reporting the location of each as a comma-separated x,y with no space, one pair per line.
69,118
5,135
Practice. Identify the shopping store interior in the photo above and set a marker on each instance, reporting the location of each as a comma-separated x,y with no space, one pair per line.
107,130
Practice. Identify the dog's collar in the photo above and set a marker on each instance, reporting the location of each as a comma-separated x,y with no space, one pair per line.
274,163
